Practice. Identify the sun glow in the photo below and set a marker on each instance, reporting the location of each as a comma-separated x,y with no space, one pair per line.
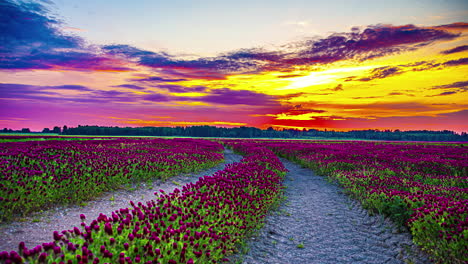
322,77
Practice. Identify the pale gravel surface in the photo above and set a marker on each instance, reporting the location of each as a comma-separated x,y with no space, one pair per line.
38,228
332,228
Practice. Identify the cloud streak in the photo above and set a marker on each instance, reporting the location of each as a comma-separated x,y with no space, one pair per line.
33,40
222,96
372,42
456,49
381,73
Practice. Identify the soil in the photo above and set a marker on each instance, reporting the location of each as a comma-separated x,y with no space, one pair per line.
318,223
38,228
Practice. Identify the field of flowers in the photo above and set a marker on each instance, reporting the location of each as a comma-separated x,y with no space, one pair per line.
421,186
38,174
24,138
202,223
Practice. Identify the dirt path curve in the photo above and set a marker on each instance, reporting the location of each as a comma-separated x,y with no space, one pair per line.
38,228
319,224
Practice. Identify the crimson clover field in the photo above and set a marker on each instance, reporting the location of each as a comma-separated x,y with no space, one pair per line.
421,187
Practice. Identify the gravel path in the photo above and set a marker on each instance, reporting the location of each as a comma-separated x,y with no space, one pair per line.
319,224
38,228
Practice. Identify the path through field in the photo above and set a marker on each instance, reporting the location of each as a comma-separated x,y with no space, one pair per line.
319,224
38,229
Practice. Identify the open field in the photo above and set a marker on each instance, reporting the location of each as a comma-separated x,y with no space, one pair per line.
200,223
40,174
421,187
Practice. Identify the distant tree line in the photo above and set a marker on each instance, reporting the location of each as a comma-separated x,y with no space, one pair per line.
252,132
55,130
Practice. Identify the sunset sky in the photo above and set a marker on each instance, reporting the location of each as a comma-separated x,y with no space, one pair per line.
340,65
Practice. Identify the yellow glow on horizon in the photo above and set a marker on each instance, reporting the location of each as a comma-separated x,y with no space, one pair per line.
322,77
190,94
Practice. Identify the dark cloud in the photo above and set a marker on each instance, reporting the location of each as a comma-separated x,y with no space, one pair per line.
130,51
381,73
222,96
25,88
182,89
339,87
453,26
203,74
67,60
130,86
240,97
462,61
233,62
71,87
158,79
448,93
49,93
111,93
431,65
23,91
456,49
234,97
24,23
156,98
389,71
463,84
454,88
374,41
254,54
291,96
423,66
30,39
53,94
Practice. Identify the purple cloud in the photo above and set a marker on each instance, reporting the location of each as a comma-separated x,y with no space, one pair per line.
49,93
463,84
156,98
158,79
240,97
23,91
130,86
462,61
23,23
182,89
372,42
70,87
130,51
30,39
378,73
456,49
